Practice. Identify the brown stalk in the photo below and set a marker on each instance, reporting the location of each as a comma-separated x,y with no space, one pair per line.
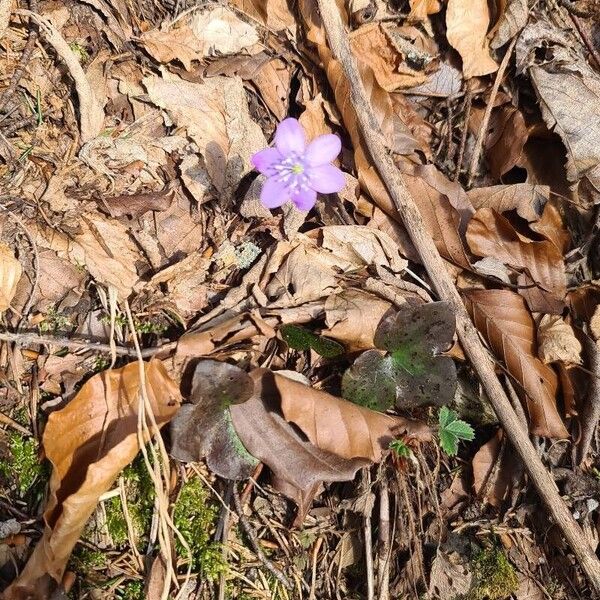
488,113
443,283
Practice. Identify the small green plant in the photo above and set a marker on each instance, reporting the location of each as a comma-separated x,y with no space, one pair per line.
195,517
54,321
400,448
83,560
495,577
132,590
23,466
451,430
79,51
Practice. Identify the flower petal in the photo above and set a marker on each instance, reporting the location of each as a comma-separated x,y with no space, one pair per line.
304,199
323,149
289,137
265,160
326,179
274,193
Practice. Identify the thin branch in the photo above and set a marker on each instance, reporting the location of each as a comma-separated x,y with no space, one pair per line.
488,113
591,410
25,338
444,284
254,542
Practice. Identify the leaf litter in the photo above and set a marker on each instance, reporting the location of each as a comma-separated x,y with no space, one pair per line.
309,351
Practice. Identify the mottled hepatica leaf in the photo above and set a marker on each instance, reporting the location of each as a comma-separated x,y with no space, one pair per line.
300,338
203,429
409,371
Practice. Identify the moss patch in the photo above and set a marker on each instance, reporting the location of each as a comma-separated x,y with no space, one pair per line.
495,577
22,468
195,518
139,491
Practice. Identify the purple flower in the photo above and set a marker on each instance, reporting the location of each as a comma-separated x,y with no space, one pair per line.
296,171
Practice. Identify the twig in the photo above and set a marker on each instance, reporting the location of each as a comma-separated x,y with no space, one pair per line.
383,562
6,420
9,92
24,338
591,409
465,132
255,545
488,113
368,533
444,284
313,577
589,44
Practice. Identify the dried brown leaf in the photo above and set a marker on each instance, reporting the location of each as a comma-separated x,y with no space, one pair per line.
342,427
375,49
504,321
135,205
10,273
215,114
527,199
421,9
273,83
511,22
275,14
506,139
89,442
175,44
568,90
551,226
557,341
493,471
467,23
298,466
491,234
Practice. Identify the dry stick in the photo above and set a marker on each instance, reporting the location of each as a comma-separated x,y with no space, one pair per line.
488,113
25,338
383,562
465,132
591,409
23,61
444,285
254,542
368,531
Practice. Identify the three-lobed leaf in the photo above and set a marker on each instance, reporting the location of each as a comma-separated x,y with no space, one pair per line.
452,430
411,373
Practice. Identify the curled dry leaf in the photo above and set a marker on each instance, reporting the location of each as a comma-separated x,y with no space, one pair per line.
511,22
203,429
10,273
568,90
103,246
341,427
557,341
135,205
388,65
504,321
491,234
421,9
528,199
352,317
494,470
89,442
467,23
215,114
299,467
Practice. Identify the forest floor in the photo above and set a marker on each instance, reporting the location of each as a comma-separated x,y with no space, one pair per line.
325,432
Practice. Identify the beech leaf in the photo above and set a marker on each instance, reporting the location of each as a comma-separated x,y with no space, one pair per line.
411,373
89,442
504,321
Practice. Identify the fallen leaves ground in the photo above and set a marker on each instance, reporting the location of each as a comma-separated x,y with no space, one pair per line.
308,352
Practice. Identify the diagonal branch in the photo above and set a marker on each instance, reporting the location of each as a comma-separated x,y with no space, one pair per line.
444,285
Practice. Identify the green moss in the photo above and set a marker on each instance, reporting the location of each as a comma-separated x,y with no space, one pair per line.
195,518
83,560
22,467
79,51
139,491
495,577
